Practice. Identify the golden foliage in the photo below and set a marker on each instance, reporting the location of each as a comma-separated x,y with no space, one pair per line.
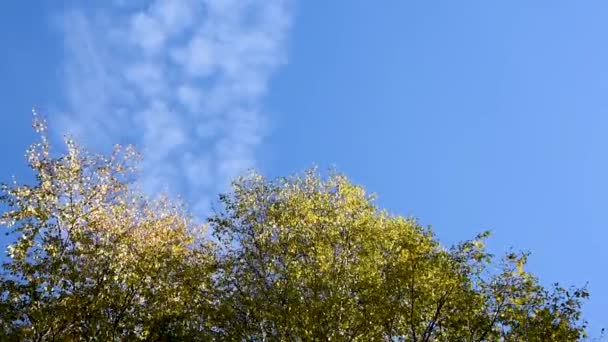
300,258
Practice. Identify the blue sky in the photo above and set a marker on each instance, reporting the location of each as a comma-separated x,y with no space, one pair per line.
469,115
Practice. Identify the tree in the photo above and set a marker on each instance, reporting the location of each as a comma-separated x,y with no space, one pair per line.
307,258
299,258
93,258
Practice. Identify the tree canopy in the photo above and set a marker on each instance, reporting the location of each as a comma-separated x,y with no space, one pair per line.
299,258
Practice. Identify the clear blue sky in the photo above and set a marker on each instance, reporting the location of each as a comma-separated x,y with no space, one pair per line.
469,115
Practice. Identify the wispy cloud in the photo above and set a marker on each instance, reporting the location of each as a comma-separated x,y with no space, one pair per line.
181,79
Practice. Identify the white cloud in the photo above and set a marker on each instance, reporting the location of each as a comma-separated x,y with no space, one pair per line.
190,97
181,79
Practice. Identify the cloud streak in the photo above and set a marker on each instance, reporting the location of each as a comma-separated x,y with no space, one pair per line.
181,79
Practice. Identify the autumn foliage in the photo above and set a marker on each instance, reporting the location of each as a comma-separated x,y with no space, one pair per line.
295,259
